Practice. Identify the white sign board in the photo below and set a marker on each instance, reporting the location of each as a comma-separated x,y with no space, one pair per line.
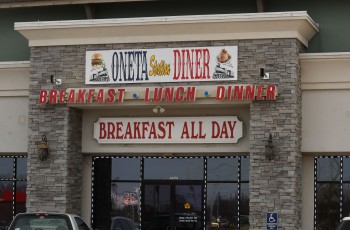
186,64
226,129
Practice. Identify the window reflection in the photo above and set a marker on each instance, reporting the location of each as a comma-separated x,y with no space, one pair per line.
244,207
125,168
226,185
125,198
346,169
191,194
245,169
328,206
6,167
21,170
328,169
8,181
21,187
346,200
6,199
174,169
222,169
222,205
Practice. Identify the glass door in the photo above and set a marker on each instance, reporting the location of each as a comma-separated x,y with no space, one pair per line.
172,205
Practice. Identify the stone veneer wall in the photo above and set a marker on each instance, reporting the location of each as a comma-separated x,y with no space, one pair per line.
55,184
275,186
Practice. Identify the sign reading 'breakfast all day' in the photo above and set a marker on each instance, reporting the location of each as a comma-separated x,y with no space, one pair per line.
150,130
190,64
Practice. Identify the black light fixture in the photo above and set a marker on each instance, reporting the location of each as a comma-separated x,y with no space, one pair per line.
43,148
270,148
55,80
264,75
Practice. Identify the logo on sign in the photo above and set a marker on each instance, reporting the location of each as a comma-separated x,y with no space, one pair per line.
271,221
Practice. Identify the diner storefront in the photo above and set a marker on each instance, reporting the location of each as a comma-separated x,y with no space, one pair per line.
177,127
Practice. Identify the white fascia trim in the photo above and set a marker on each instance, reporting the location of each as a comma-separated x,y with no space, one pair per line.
14,64
166,20
331,55
325,86
16,4
174,28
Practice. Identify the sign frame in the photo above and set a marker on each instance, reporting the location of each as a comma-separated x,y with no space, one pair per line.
168,130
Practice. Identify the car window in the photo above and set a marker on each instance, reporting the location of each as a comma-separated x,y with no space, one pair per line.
81,224
47,222
132,225
122,224
117,225
344,226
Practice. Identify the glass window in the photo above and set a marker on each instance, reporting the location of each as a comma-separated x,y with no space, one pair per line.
222,205
328,169
346,200
21,187
244,207
6,198
6,167
21,170
174,169
222,169
125,168
332,191
346,169
11,203
166,185
191,194
157,199
245,169
328,206
125,198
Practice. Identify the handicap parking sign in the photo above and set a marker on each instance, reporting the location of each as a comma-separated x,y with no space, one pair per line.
271,221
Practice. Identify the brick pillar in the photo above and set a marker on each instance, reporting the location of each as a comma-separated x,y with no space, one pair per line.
54,185
275,186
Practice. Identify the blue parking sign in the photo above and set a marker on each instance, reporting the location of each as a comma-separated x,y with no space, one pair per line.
271,221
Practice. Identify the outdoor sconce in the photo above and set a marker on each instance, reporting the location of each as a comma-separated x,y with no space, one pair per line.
264,75
43,148
55,80
270,148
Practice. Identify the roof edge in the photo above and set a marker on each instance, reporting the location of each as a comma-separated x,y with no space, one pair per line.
173,28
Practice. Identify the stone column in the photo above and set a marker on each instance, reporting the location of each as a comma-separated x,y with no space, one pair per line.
275,185
54,185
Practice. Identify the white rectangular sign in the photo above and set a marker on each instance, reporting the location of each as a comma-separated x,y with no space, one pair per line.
226,129
187,64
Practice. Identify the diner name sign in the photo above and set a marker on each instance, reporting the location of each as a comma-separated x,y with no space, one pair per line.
188,64
150,130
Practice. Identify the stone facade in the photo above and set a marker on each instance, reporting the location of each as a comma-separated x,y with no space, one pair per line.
55,184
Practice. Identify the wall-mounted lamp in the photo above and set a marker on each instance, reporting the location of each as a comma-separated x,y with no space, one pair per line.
263,74
43,148
158,109
206,93
135,95
270,148
55,80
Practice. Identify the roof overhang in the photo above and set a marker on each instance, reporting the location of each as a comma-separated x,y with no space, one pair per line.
35,3
297,25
